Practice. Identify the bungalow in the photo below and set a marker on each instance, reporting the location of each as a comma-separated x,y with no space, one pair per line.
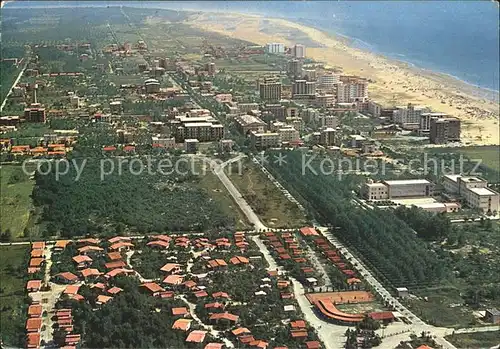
115,264
224,317
298,324
36,262
121,246
90,249
82,261
214,346
173,280
34,324
114,290
35,310
71,289
72,339
216,263
66,278
200,294
33,285
190,284
33,340
99,285
182,324
114,256
153,288
258,344
172,268
183,311
118,239
165,238
196,336
158,244
298,334
239,260
91,241
118,271
239,331
61,245
90,272
38,245
313,345
102,299
246,339
220,295
308,231
167,294
214,305
37,253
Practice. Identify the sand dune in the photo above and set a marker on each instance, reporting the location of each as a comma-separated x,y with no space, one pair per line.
392,82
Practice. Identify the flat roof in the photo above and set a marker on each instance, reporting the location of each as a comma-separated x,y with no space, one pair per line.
483,191
407,181
375,184
453,178
197,124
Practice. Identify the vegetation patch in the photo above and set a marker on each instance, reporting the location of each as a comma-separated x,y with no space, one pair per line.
13,277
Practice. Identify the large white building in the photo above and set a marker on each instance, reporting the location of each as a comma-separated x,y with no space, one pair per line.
351,89
397,189
409,116
328,81
299,51
474,191
275,47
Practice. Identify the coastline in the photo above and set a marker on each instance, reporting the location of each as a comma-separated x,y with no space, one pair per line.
392,82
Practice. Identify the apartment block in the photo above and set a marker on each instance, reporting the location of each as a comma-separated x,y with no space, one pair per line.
265,140
397,189
409,116
288,134
444,130
474,191
374,191
351,88
303,88
299,51
425,121
247,123
270,90
275,47
35,114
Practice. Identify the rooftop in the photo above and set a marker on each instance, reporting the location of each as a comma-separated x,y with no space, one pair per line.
407,181
483,191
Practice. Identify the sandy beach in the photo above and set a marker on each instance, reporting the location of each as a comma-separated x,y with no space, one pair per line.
391,82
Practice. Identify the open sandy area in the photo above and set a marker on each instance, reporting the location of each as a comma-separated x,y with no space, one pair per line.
391,82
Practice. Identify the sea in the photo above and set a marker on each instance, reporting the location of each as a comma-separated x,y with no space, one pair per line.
458,38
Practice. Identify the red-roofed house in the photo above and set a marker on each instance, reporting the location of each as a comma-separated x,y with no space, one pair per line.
121,246
308,231
118,271
115,264
114,256
103,299
180,311
159,244
313,345
214,346
33,285
171,268
33,340
182,324
224,317
66,278
173,280
90,272
114,290
35,310
196,336
153,288
82,261
34,324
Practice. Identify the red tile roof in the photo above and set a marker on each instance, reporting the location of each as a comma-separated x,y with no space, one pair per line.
169,267
118,271
114,290
92,241
38,245
181,324
33,340
115,264
103,299
67,276
36,262
153,287
35,310
121,244
224,316
214,346
196,336
71,289
298,324
308,231
173,279
118,238
37,253
90,272
90,248
220,295
34,324
61,243
313,345
201,294
240,330
180,311
158,243
34,285
239,259
82,259
114,256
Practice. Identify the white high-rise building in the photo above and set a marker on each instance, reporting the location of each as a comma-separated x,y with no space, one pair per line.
299,51
275,47
351,89
328,81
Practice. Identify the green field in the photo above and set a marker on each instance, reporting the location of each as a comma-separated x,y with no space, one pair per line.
268,202
489,155
16,189
475,340
13,264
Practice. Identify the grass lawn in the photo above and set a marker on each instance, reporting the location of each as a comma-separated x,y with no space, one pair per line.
214,187
475,340
268,202
443,308
13,264
490,155
16,189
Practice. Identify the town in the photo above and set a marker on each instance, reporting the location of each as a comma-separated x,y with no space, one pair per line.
234,244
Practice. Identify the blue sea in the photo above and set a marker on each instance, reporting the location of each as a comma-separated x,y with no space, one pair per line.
459,38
